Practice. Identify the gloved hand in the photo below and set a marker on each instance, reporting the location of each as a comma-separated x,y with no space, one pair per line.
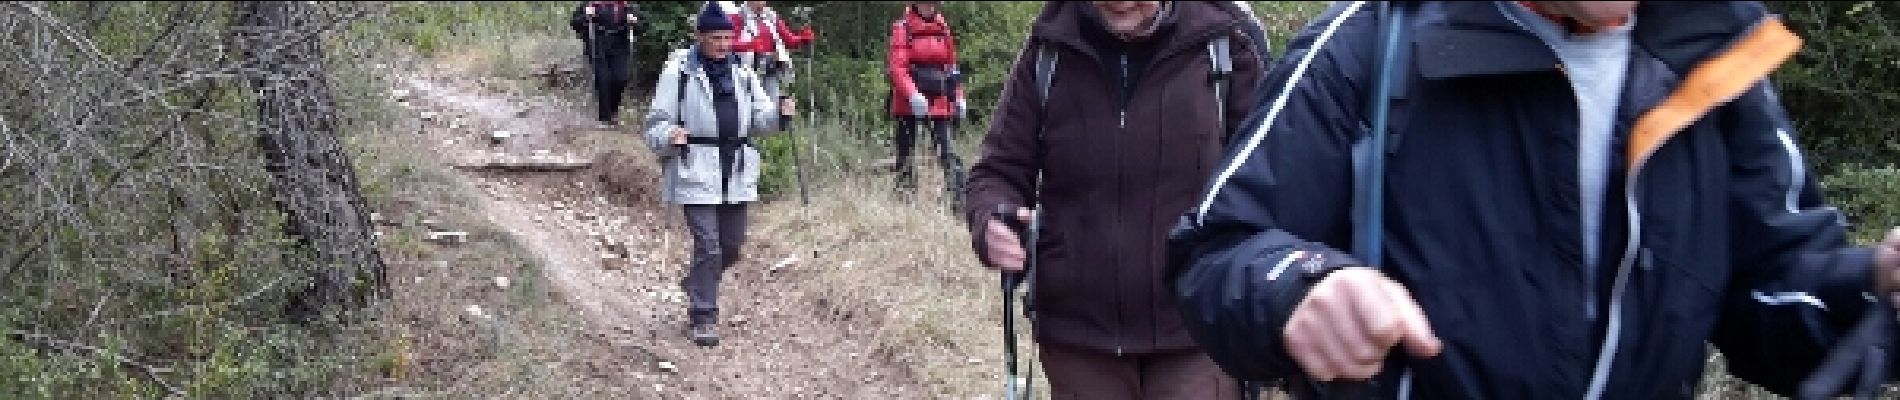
963,108
919,107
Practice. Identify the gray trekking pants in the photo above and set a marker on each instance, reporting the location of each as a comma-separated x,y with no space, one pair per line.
718,232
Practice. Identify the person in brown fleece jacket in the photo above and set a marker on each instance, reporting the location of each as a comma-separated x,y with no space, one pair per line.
1125,145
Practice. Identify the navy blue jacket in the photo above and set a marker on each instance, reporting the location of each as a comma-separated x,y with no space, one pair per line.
1713,231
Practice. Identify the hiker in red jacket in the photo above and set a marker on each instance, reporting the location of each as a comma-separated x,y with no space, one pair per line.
765,44
926,88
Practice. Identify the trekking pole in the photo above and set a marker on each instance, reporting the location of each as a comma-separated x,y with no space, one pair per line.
798,165
958,176
1018,386
593,56
1860,358
589,35
591,48
1010,281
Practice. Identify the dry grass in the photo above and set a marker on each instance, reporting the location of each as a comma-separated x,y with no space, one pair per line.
906,264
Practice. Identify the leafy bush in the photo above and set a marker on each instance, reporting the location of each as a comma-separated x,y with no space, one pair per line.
777,178
1842,88
1869,196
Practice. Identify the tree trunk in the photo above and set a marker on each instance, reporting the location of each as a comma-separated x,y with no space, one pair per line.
312,179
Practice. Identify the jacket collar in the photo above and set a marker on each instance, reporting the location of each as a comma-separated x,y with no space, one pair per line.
1472,38
1188,24
696,60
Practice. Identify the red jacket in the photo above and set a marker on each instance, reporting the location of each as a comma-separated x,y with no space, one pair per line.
920,41
762,43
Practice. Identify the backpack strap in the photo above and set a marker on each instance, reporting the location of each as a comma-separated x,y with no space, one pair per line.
679,104
1045,72
1220,59
1371,149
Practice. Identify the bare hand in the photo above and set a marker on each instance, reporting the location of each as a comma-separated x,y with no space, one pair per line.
1887,262
1005,248
1347,324
787,107
679,135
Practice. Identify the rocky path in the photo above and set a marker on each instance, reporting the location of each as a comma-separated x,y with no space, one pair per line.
616,254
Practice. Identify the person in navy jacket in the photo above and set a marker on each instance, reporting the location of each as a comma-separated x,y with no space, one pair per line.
1580,195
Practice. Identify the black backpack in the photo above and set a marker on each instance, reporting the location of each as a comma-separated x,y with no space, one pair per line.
1219,52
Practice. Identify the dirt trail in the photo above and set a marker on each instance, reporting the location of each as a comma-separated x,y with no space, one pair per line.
777,342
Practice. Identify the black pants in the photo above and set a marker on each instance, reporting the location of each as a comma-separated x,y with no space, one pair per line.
611,73
940,132
718,233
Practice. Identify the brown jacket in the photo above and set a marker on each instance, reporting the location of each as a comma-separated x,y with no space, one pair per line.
1115,177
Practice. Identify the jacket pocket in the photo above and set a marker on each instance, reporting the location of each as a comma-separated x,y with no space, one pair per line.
1691,296
1058,278
748,179
698,174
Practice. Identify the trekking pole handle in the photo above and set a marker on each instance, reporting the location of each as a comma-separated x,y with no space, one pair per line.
1009,216
1346,390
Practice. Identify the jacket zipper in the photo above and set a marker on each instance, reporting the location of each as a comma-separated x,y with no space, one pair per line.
1606,356
1121,106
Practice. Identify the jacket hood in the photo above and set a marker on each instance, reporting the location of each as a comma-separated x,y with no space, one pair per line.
921,25
1476,38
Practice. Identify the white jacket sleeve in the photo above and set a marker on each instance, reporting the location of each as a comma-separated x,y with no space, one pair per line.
765,117
663,113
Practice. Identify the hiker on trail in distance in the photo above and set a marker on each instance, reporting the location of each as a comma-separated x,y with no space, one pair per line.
926,88
1579,196
705,110
607,30
1131,127
765,44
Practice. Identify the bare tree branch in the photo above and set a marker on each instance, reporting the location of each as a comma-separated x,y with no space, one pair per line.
48,341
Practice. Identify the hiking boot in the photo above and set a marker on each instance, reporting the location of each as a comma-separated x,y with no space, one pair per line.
703,335
906,182
702,327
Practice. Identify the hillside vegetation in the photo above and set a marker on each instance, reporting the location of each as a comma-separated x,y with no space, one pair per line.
232,200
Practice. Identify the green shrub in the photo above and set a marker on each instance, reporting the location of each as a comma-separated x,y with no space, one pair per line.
1869,196
777,177
1842,88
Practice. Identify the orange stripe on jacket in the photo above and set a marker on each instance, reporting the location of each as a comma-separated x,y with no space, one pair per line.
1716,81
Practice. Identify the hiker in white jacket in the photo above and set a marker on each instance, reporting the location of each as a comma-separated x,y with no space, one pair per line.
706,109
